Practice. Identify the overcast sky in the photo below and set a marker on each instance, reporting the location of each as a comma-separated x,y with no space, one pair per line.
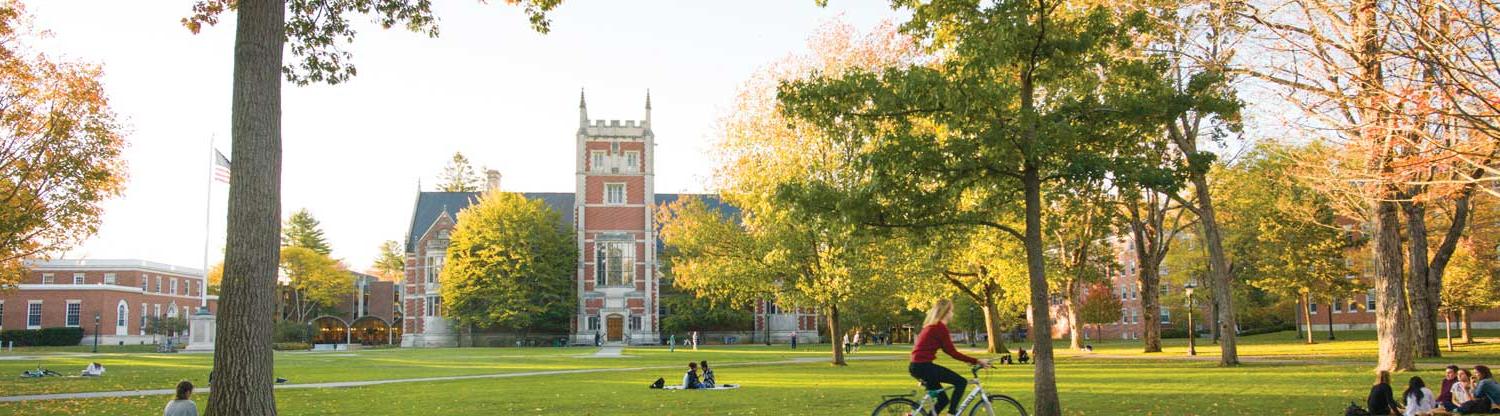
489,87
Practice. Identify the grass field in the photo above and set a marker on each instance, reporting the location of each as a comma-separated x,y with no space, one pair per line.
1327,377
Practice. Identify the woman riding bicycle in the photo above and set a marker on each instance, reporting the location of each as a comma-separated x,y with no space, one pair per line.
933,337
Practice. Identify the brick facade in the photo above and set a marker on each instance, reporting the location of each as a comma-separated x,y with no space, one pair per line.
111,289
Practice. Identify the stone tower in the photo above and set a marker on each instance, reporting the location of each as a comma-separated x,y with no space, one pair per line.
616,234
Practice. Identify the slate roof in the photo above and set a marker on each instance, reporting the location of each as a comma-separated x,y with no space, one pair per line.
430,205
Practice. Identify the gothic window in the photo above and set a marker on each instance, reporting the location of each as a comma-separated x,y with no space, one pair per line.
632,161
596,161
614,263
635,323
593,323
614,193
122,314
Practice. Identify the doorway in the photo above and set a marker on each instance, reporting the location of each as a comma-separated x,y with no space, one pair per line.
614,328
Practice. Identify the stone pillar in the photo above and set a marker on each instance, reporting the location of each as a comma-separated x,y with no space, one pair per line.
201,326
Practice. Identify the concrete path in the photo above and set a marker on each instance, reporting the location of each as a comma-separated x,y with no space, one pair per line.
1251,359
609,352
341,384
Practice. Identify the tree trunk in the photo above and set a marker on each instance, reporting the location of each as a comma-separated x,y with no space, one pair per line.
1466,326
1214,327
1448,329
1391,317
1331,300
1218,269
992,329
1423,307
1307,316
243,361
1075,322
833,335
1045,383
1150,306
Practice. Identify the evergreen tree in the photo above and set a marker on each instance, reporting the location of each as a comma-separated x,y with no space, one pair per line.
302,230
460,176
391,263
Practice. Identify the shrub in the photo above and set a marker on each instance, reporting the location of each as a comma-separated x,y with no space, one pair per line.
1267,330
21,337
45,337
291,346
1173,333
289,331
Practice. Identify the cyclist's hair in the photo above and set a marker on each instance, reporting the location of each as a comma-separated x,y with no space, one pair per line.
940,310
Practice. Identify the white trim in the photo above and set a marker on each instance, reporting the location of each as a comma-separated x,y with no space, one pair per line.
624,194
112,265
102,287
39,312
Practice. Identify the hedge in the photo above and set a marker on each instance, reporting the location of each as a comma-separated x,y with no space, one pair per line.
45,337
291,346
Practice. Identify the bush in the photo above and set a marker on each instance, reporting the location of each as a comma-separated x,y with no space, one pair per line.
45,337
1167,333
1267,330
291,346
293,332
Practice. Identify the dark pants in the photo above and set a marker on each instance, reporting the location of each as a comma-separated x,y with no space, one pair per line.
933,377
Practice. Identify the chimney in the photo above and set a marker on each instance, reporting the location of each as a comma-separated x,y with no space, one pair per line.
493,179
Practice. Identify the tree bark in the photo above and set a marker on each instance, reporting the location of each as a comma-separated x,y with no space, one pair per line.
833,335
1307,316
1423,307
1391,317
1218,269
243,361
1044,386
1150,306
1075,323
1331,300
1448,329
992,329
1464,329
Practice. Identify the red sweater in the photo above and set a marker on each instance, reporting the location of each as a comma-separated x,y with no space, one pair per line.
933,337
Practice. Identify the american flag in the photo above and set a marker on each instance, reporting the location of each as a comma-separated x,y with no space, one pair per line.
221,167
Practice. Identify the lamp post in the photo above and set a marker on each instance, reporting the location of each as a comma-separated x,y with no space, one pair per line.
96,332
1192,333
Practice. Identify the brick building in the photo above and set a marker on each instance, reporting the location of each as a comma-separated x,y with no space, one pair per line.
122,293
612,214
369,315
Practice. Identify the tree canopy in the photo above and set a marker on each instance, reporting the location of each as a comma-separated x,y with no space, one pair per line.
302,230
460,176
315,281
510,265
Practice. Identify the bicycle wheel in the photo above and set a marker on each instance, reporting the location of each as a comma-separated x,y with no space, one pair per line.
999,405
896,407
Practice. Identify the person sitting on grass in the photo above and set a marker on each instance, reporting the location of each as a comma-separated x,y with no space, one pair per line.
708,375
1418,398
1445,393
183,405
690,380
1022,357
93,370
1485,389
1462,389
1381,400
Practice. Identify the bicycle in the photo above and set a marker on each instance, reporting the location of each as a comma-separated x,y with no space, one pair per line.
987,404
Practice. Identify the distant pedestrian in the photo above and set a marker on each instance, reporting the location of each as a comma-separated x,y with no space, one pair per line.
857,340
695,340
794,340
672,343
597,339
846,343
183,405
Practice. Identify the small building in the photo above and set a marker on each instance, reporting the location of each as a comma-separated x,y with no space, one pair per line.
370,315
122,294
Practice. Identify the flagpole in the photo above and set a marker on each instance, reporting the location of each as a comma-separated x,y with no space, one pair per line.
208,203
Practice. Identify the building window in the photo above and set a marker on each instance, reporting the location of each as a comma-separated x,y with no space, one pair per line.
617,267
614,193
143,319
109,278
596,161
632,161
74,308
2,314
46,278
593,323
1338,307
635,323
174,286
34,314
158,284
145,285
77,278
1312,308
156,310
122,313
772,309
1166,316
1370,301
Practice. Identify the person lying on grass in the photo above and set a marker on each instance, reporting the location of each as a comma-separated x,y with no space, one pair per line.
935,336
93,370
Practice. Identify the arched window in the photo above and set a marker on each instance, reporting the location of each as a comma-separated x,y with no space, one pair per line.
121,314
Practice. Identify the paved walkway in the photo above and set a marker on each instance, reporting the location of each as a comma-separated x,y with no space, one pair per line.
1249,359
610,352
341,384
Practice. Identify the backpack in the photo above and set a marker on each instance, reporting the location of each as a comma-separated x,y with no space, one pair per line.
1355,410
659,383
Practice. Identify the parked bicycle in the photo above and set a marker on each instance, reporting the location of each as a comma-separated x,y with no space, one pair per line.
977,402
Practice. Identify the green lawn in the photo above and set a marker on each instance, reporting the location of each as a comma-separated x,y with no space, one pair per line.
1139,383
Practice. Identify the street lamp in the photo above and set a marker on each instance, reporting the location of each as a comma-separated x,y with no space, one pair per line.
96,332
1192,333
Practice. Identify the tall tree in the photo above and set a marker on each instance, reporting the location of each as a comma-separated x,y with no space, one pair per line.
509,265
302,230
460,176
313,31
60,149
1153,220
390,264
1078,224
315,281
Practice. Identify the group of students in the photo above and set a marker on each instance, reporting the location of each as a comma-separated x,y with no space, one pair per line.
696,380
1462,392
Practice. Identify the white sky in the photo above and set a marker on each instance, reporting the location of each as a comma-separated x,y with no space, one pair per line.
488,87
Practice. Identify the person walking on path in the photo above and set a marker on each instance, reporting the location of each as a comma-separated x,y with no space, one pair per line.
695,340
672,343
183,405
596,339
857,339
